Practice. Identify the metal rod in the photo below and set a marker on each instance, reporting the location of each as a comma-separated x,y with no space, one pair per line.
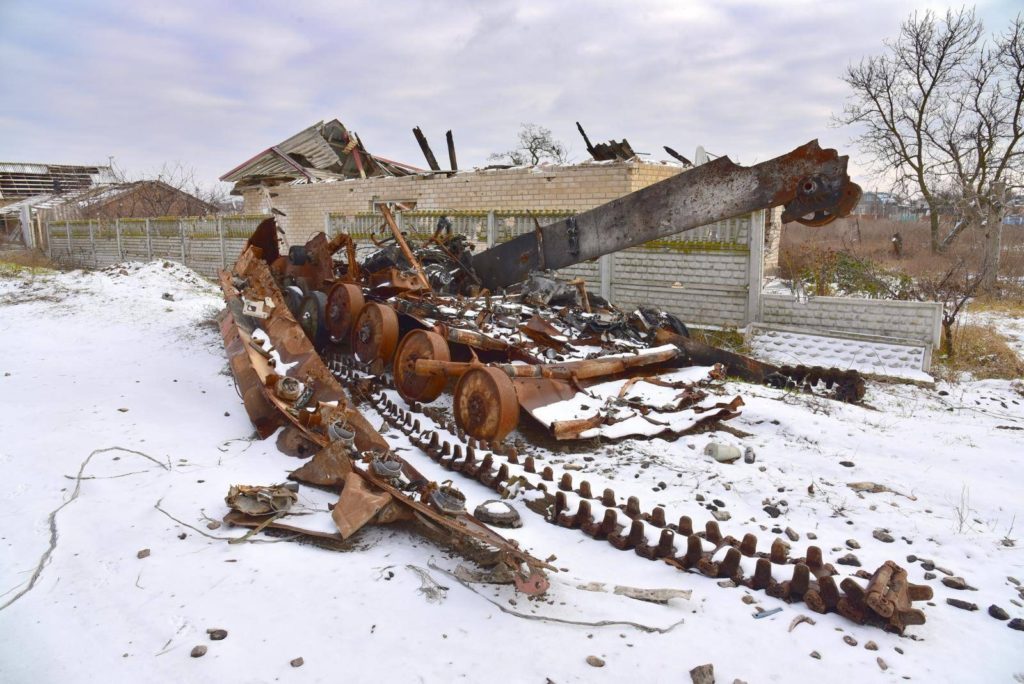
390,219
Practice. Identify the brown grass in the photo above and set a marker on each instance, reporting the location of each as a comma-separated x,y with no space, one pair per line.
26,257
982,351
802,247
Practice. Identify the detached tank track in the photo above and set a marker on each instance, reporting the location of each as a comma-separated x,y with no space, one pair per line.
846,385
708,551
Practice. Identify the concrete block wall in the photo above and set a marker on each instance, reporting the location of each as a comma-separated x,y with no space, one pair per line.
917,321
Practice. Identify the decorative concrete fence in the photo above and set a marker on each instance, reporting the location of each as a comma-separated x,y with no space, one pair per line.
205,244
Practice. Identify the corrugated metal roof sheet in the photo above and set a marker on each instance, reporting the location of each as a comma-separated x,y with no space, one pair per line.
20,179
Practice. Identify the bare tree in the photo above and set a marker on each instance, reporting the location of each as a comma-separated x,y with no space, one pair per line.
174,176
940,111
953,289
536,144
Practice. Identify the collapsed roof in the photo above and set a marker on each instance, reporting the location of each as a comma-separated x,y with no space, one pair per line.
323,152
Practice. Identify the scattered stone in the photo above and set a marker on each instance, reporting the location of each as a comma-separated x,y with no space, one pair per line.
123,410
846,464
749,456
1017,603
954,582
850,641
944,571
773,511
871,646
168,296
703,674
217,634
726,584
297,662
863,574
930,575
1016,623
594,661
881,663
718,502
928,565
213,525
144,553
883,536
849,559
1013,580
748,599
963,605
911,558
852,543
198,651
998,613
182,535
792,534
699,497
815,655
720,516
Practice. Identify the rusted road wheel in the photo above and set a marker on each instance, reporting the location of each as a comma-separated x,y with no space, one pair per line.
344,303
485,403
375,333
420,344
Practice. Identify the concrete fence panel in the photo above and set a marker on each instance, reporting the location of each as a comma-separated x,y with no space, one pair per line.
916,321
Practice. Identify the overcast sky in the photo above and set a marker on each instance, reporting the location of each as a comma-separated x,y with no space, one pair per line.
212,83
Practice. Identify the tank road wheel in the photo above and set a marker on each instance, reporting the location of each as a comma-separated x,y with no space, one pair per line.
375,333
312,318
344,302
420,344
485,403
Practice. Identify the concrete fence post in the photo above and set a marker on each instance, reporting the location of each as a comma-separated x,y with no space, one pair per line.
117,232
492,229
92,246
220,238
327,224
67,230
149,242
605,268
181,237
755,266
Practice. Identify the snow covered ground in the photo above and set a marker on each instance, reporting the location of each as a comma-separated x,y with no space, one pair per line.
104,378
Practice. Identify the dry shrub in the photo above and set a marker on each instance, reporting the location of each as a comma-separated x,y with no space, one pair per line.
981,351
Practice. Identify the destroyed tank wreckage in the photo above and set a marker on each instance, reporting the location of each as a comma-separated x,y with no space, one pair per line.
310,339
